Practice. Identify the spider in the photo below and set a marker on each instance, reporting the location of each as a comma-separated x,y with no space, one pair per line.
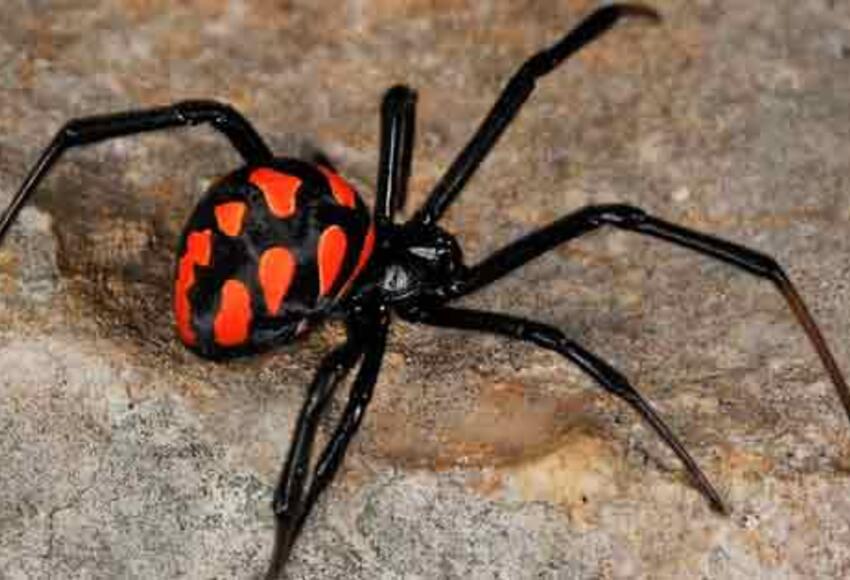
279,245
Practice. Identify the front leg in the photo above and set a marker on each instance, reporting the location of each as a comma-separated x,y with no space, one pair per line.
398,123
604,374
513,96
633,219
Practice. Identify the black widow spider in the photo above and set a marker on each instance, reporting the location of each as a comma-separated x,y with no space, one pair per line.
280,244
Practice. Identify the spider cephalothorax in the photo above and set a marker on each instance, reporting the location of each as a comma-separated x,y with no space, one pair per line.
279,244
417,262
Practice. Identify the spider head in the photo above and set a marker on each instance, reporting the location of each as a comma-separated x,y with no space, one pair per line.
421,258
267,252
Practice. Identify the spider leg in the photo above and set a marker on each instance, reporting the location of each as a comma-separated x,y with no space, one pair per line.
633,219
333,454
553,339
289,526
89,130
287,499
349,423
398,124
513,96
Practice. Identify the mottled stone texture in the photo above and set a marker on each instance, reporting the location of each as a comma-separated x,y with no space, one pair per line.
123,456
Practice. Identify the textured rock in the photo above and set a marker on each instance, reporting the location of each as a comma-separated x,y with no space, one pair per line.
125,456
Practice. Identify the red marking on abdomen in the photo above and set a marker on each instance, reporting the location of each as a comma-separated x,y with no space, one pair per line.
198,252
343,192
279,189
229,217
233,320
332,246
365,254
277,270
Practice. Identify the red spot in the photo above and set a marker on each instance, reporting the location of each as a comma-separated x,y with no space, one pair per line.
365,254
332,246
343,192
277,270
229,217
198,252
233,319
279,189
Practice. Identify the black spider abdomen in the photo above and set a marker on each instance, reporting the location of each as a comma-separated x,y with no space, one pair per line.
266,249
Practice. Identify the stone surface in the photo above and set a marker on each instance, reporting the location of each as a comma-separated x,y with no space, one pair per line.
123,456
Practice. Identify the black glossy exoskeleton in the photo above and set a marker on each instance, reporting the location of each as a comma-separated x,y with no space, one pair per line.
280,244
268,250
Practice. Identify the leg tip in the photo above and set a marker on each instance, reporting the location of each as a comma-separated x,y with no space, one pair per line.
635,11
719,506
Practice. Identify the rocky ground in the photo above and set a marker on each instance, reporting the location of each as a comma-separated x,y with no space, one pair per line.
124,456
